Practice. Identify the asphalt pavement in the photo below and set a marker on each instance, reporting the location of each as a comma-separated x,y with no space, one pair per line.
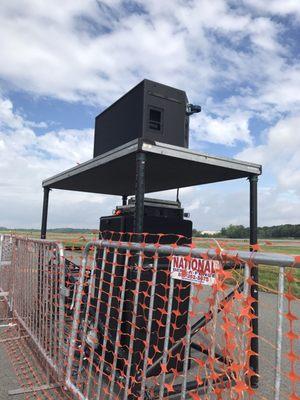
267,328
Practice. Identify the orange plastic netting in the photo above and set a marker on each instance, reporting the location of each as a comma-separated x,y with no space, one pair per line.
154,320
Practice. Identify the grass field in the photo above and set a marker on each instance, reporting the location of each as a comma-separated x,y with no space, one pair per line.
268,276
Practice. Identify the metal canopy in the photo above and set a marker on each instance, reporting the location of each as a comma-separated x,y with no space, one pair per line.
167,167
139,167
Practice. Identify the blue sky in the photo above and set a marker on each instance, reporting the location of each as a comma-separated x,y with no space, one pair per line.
61,63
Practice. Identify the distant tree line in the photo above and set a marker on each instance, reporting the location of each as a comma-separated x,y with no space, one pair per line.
232,231
240,231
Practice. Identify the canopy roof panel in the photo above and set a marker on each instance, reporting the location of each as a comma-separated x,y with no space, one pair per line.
167,167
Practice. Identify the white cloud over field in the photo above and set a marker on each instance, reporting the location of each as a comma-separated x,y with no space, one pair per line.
238,58
27,158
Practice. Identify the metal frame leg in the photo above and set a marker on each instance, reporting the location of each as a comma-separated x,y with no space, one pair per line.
254,363
45,213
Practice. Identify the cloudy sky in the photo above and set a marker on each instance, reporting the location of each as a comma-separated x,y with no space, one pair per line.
62,62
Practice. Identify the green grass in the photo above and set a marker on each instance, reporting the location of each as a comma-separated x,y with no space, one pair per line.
67,239
268,276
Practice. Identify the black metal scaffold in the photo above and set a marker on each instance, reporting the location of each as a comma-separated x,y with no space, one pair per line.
140,167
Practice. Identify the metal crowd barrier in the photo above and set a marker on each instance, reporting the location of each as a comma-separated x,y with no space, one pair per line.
125,343
151,321
34,271
6,276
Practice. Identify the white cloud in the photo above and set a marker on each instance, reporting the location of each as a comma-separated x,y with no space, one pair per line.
276,7
27,158
7,117
280,154
230,56
23,166
227,130
264,34
94,51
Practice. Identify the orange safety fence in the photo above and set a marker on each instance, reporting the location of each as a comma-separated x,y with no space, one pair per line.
155,323
143,316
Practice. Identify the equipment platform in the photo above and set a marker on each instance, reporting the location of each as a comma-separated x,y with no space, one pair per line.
167,167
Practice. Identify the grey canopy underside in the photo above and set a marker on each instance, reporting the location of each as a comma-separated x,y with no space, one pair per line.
167,167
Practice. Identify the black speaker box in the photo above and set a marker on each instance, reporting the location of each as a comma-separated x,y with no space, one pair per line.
151,111
171,227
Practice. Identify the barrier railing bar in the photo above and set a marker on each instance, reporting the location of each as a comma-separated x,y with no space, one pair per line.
116,352
61,317
244,341
215,312
52,304
56,317
30,295
46,273
11,300
35,286
166,342
31,289
42,299
104,257
150,316
72,342
272,259
1,249
40,274
133,324
85,322
279,333
187,345
107,321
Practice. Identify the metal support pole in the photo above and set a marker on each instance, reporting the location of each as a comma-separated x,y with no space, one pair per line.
124,200
280,306
45,213
139,192
253,179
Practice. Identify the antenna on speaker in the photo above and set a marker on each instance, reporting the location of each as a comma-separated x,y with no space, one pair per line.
192,109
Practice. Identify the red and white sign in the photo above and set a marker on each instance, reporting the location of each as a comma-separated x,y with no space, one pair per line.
194,270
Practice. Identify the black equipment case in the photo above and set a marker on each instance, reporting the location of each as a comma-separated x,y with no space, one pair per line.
166,218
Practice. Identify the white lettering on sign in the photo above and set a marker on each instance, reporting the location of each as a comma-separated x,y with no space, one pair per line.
196,270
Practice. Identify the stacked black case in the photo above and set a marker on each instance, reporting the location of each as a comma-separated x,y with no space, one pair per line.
151,111
171,223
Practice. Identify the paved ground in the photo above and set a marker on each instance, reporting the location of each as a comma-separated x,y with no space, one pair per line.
268,314
267,345
8,379
20,369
